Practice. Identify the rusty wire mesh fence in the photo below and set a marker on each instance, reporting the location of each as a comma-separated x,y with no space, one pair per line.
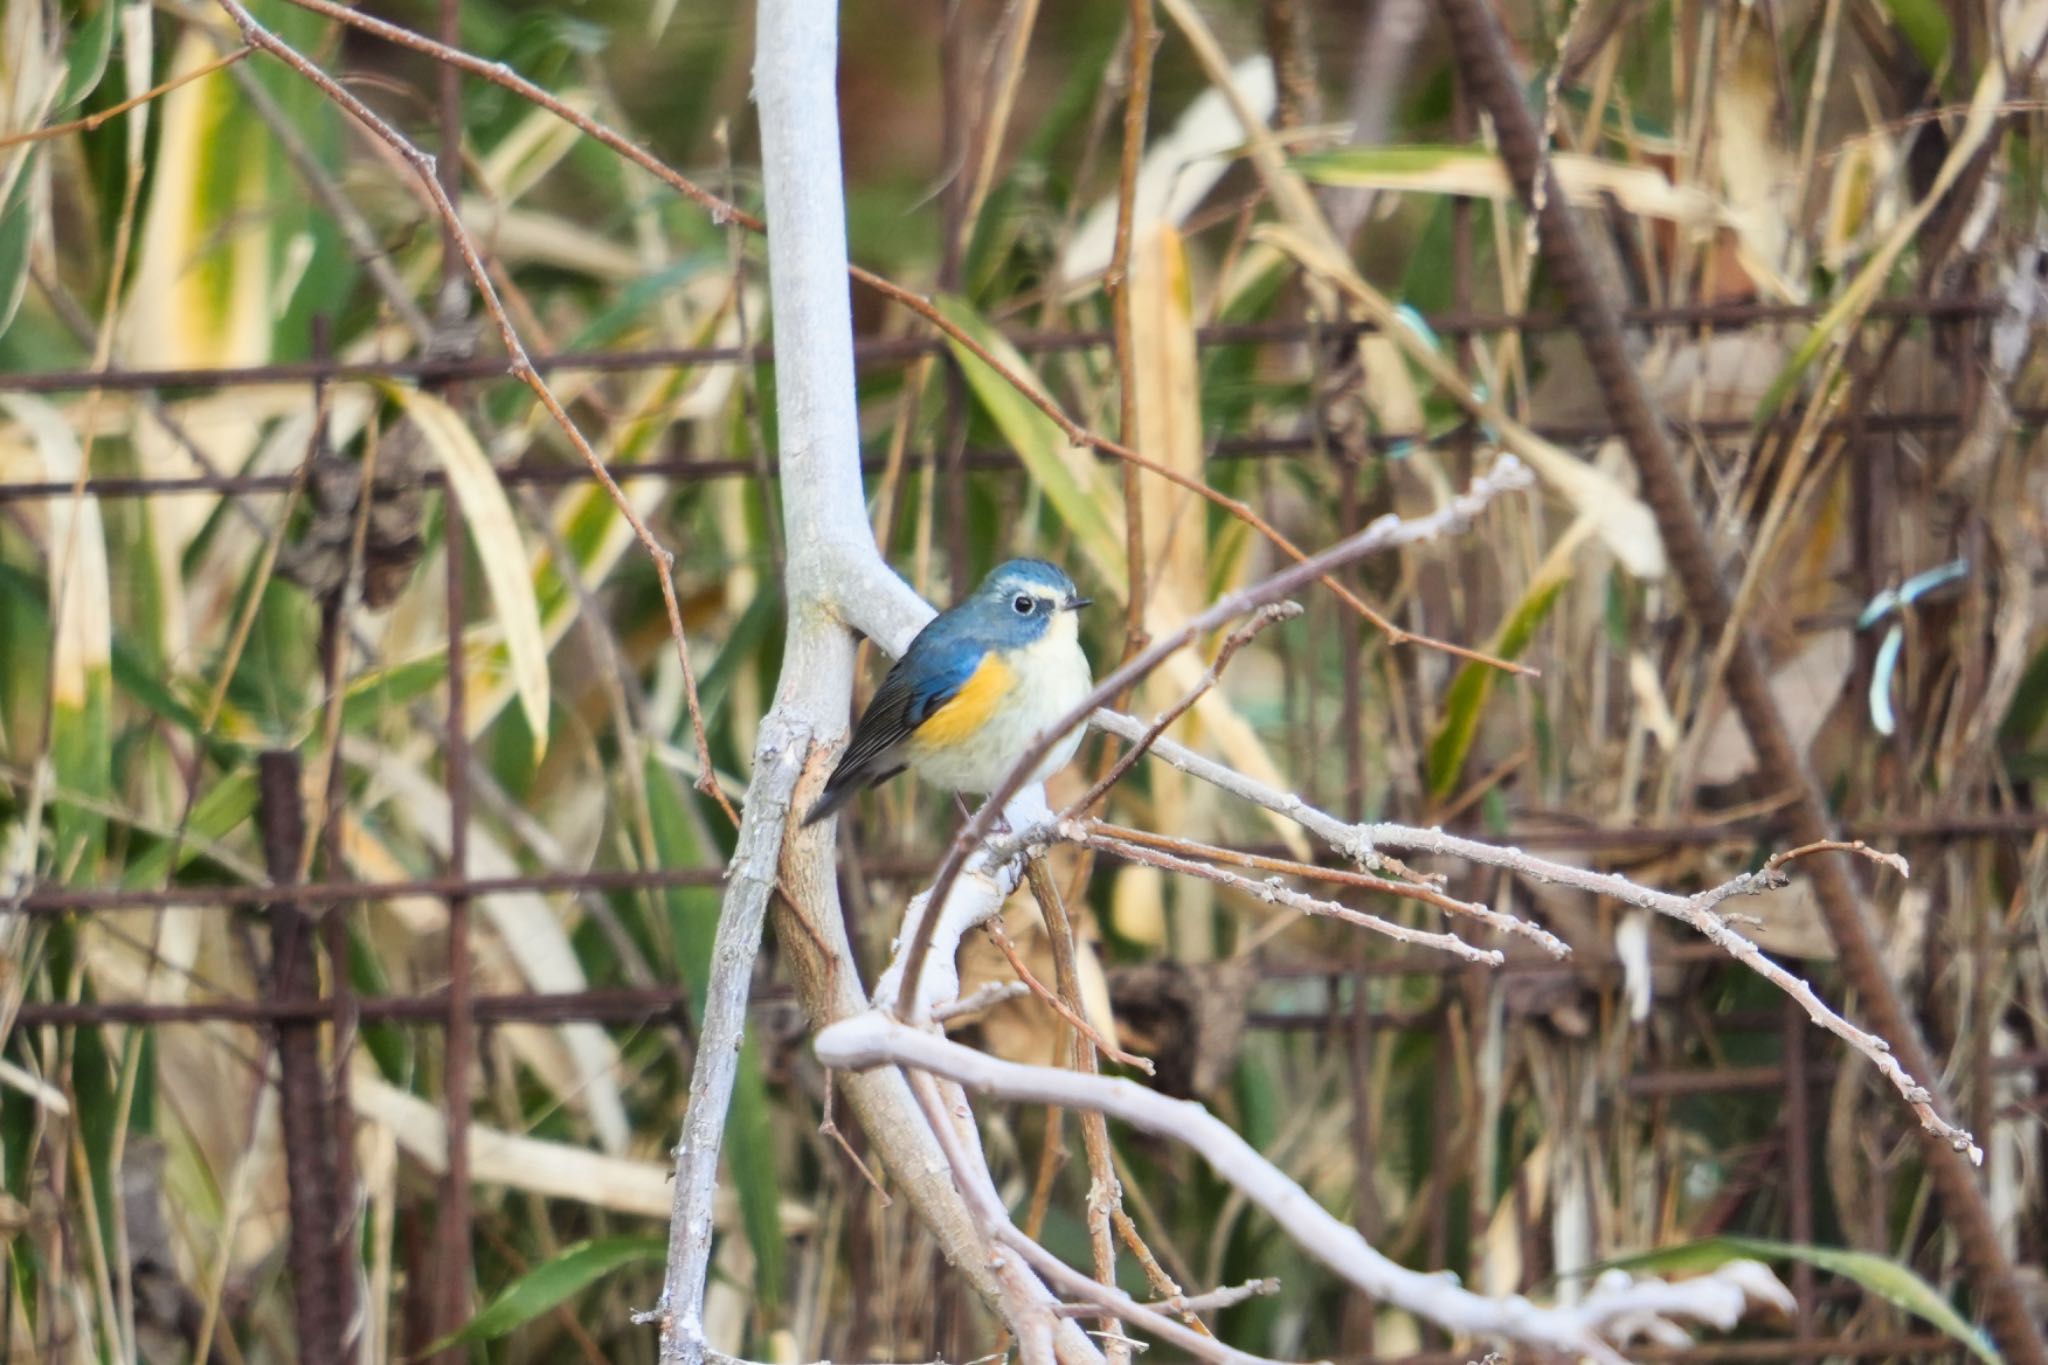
301,918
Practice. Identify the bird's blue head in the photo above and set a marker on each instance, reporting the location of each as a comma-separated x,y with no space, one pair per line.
1020,602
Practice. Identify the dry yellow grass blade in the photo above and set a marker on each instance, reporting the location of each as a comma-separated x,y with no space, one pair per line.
1623,521
1181,569
553,1170
524,923
499,548
1476,173
77,547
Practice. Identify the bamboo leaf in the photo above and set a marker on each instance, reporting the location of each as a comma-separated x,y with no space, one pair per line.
1465,701
1885,1278
81,672
1475,172
1076,484
86,59
499,548
1926,29
551,1283
17,229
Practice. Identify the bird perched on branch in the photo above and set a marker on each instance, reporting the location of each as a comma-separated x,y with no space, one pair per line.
976,686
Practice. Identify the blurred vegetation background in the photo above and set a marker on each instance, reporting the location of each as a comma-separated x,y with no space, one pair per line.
1514,1127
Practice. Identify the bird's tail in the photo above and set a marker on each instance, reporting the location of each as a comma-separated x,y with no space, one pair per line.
838,791
845,782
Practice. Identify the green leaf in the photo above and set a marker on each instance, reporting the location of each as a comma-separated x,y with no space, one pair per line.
494,534
1883,1277
1363,166
550,1283
1466,699
1925,27
2029,705
381,691
87,57
17,226
226,805
1073,481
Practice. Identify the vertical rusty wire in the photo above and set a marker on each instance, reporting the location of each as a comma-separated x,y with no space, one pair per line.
333,925
319,1309
452,1263
1799,1163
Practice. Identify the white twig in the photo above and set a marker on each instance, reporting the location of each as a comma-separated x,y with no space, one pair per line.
976,897
1101,1296
1274,891
874,1039
1216,1299
987,995
1360,842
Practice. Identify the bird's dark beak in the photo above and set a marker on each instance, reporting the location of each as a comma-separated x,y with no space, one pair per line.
1076,603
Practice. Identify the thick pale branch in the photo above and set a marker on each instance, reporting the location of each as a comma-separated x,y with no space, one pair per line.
750,881
874,1039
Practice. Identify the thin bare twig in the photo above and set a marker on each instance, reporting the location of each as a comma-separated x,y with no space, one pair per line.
1137,96
96,118
1028,980
829,1127
987,995
1238,639
1272,892
1363,841
1425,892
1104,1191
1186,1304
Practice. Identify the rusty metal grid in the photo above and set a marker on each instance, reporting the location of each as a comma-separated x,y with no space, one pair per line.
316,1101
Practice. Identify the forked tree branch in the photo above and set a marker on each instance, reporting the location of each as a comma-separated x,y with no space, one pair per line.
874,1039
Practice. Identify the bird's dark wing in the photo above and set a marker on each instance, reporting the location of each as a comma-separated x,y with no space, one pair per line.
922,681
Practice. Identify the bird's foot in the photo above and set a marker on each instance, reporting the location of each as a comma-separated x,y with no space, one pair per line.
1001,826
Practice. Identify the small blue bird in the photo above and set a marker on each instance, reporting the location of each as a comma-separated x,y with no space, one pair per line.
974,689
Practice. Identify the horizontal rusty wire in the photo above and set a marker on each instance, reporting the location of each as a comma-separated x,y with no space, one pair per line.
49,900
689,468
890,350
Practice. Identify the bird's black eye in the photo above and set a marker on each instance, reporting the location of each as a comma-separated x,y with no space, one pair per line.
1024,603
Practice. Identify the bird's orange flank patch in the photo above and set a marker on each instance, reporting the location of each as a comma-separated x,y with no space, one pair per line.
961,718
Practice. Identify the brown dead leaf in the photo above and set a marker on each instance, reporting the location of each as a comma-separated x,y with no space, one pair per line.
1805,688
1026,1029
1189,1017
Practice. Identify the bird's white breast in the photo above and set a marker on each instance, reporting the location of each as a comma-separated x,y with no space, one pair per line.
1052,678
